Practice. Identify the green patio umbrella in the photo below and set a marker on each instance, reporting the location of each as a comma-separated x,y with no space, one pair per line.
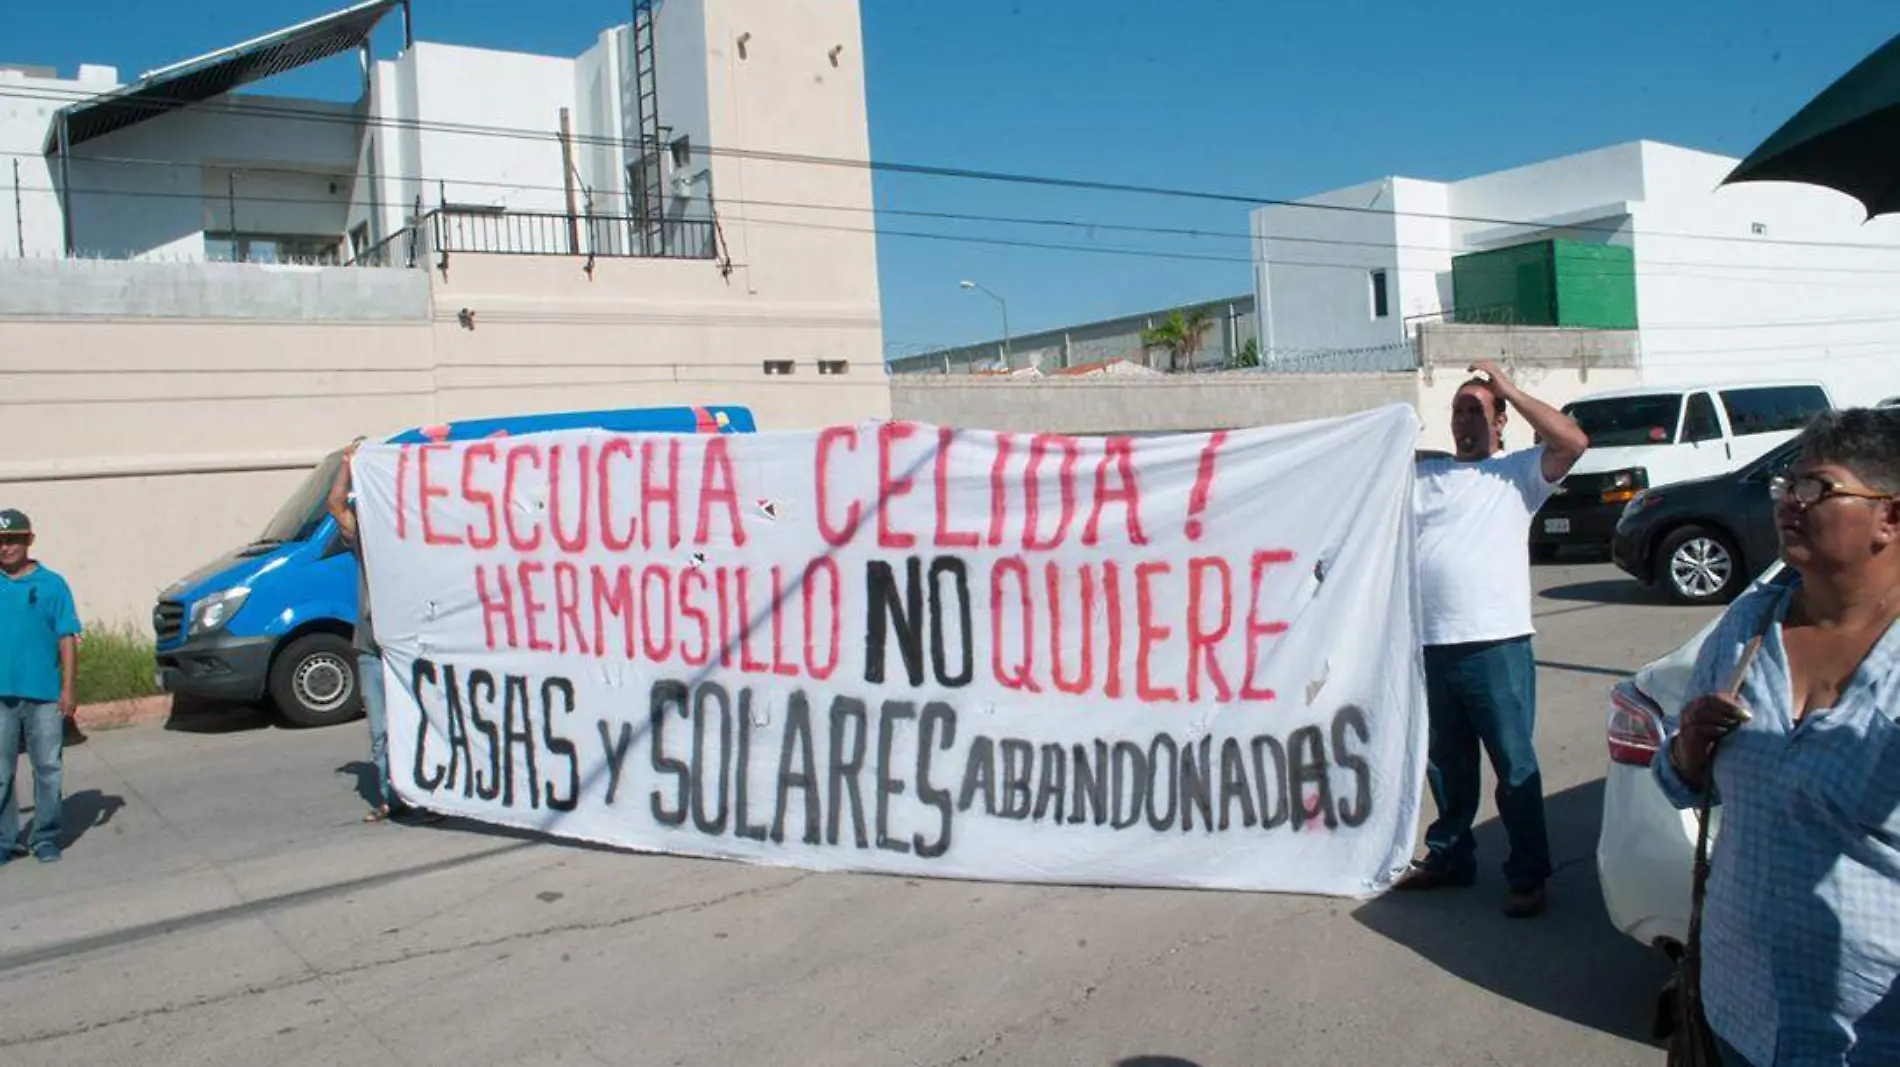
1846,138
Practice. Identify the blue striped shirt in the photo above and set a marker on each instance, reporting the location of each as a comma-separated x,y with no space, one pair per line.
1801,924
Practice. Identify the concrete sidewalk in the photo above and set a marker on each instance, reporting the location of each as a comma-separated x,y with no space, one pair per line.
115,713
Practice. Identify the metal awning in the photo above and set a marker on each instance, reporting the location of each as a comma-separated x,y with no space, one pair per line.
211,75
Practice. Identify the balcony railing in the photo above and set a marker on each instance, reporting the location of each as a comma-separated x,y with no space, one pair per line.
396,250
536,233
481,231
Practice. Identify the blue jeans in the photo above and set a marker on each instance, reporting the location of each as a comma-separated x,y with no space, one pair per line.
369,680
45,744
1485,694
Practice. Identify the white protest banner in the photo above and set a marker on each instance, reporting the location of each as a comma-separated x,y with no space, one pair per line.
1181,661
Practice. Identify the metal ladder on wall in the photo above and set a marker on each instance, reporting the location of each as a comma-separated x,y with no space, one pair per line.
649,191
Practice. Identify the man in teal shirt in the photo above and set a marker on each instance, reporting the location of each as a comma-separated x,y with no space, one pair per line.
39,662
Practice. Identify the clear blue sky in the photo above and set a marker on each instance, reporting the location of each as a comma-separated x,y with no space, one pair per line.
1270,99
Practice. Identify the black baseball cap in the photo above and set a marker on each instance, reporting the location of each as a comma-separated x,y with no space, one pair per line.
14,523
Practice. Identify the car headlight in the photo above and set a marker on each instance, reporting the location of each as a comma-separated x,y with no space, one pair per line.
212,613
1622,487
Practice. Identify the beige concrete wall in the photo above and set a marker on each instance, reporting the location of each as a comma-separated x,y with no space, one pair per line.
1175,403
1458,345
120,540
647,332
1555,386
1555,365
88,396
145,446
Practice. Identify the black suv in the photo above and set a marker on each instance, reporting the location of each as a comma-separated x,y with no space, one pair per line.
1703,541
1583,511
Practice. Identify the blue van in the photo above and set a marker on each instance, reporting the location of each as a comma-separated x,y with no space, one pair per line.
274,618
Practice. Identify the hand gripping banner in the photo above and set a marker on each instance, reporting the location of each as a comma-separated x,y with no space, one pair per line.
1178,661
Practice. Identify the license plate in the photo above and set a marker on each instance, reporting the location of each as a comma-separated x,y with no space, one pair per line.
1556,526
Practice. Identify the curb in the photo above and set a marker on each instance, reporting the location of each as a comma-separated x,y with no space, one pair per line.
124,712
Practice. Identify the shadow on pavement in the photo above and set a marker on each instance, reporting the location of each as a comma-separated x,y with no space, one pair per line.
85,810
203,717
1607,591
1593,669
1155,1061
528,836
1570,556
1570,963
365,774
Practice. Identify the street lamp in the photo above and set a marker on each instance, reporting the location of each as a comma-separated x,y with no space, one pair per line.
966,285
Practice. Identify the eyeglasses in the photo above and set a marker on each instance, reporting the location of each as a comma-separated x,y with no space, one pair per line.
1810,489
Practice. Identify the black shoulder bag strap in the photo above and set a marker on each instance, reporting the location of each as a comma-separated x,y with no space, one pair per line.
1692,1044
1706,805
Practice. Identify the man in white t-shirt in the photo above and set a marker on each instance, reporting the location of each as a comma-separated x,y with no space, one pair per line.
1474,514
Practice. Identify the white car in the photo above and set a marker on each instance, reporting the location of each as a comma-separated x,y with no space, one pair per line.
1647,846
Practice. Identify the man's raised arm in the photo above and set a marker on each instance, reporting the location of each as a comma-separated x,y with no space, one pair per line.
338,501
1564,440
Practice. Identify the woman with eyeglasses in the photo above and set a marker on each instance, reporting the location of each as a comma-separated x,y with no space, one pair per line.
1801,920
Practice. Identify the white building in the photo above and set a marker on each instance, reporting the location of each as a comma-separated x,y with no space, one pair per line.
174,168
221,287
1721,283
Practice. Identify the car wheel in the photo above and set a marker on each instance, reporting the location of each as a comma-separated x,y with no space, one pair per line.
1699,565
313,682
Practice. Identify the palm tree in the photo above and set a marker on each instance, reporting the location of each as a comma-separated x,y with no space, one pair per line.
1181,334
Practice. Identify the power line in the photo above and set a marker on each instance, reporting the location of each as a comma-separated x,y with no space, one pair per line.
1044,222
892,167
756,220
1604,271
993,242
1006,220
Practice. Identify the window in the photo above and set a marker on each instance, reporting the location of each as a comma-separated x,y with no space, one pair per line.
1620,422
777,367
834,366
1772,409
272,248
1381,302
297,517
1700,424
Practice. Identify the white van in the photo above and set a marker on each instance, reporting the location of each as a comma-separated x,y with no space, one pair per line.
1642,438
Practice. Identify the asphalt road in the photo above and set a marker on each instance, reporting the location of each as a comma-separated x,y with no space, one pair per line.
223,904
